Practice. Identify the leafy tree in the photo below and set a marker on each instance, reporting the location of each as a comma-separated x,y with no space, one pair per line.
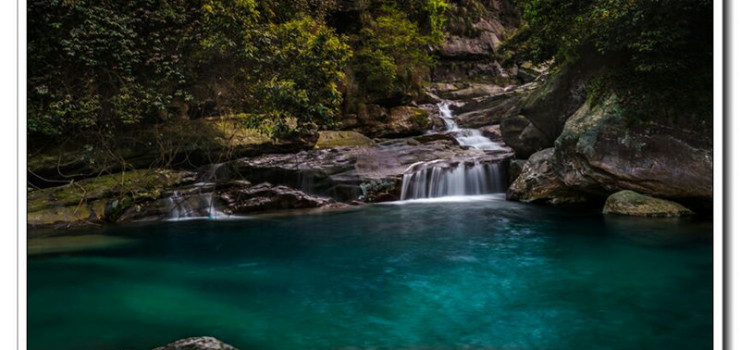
391,56
663,48
298,84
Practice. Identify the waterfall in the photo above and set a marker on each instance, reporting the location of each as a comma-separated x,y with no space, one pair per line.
435,180
463,178
198,205
471,138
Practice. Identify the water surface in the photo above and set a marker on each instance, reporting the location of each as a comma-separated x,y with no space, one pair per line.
478,274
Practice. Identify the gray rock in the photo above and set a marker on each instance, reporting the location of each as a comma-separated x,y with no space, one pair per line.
524,137
544,111
339,174
600,151
197,343
492,132
266,197
488,110
515,168
538,182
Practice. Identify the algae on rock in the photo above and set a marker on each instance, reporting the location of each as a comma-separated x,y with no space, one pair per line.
632,203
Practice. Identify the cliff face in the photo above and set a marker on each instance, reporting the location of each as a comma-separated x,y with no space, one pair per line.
475,31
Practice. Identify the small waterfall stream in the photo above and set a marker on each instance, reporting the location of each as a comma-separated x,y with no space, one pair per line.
442,179
454,180
471,138
199,205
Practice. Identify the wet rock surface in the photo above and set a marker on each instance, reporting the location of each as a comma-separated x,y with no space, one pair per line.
635,204
338,173
266,197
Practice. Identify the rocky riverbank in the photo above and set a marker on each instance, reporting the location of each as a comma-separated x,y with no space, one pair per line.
554,140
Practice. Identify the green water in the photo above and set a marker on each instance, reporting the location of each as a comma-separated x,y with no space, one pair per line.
489,274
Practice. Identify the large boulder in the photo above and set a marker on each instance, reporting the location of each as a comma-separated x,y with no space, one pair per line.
515,168
522,136
544,111
197,343
601,151
635,204
538,182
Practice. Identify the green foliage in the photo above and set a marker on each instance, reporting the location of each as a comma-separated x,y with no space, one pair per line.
662,49
100,66
391,56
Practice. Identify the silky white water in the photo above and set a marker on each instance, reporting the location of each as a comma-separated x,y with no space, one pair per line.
195,206
440,179
471,138
452,180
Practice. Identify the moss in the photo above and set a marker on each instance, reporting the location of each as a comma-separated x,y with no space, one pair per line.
334,139
142,183
87,200
69,214
635,204
420,118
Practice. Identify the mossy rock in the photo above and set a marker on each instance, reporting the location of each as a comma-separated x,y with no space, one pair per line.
334,139
86,200
143,183
635,204
84,212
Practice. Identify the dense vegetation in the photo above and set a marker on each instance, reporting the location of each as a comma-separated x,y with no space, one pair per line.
100,66
99,69
660,50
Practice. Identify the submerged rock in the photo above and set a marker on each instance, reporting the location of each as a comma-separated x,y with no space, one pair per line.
632,203
197,343
538,181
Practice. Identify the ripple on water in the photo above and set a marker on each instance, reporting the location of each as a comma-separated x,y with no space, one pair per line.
485,274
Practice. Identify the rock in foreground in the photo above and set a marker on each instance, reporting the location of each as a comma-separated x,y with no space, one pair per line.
197,343
635,204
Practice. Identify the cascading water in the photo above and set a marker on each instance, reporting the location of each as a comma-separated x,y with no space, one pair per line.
198,205
471,138
465,178
454,180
